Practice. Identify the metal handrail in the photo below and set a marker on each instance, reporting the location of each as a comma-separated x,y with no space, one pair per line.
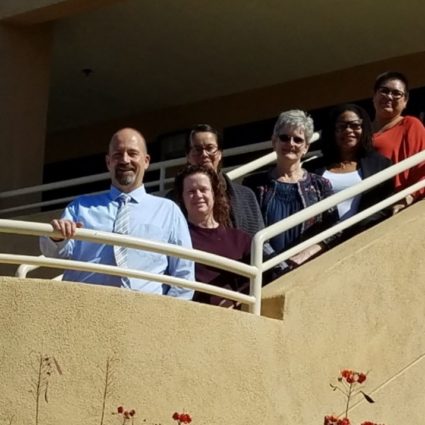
161,183
342,225
42,229
261,162
264,235
120,271
24,269
163,165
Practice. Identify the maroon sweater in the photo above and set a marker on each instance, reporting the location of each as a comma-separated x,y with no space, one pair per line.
227,242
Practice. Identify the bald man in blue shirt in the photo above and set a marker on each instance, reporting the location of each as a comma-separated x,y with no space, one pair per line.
147,216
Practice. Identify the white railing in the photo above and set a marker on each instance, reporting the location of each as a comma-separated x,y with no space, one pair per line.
41,229
264,235
160,184
254,165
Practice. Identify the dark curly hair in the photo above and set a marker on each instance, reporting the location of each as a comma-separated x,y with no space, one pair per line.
203,128
330,148
221,209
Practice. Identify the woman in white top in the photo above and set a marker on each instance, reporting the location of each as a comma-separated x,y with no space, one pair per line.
349,157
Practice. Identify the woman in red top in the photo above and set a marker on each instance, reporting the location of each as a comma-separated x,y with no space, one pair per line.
395,136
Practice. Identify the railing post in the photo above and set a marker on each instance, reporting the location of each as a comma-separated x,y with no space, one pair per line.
255,282
162,179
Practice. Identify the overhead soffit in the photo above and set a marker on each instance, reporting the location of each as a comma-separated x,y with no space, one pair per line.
150,55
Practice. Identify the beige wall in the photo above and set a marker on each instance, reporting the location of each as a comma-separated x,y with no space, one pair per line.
308,93
24,80
24,85
359,306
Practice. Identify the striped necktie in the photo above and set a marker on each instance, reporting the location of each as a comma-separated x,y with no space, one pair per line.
122,226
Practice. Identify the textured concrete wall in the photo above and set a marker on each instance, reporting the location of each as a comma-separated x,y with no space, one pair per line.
359,306
165,355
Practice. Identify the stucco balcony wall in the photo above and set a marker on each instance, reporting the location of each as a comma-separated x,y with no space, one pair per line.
360,306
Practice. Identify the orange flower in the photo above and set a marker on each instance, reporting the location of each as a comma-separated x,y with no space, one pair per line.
361,378
331,420
182,418
345,373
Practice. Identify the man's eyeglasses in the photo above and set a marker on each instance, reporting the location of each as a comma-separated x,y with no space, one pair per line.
395,94
209,150
352,125
285,138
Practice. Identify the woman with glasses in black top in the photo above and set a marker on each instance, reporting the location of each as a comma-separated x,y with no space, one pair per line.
348,158
288,188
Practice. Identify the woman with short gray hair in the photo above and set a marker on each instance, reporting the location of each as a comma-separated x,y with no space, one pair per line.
287,188
294,119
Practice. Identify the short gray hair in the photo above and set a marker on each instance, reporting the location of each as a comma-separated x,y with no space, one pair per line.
295,119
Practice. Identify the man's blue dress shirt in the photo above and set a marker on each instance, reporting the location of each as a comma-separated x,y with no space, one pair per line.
151,217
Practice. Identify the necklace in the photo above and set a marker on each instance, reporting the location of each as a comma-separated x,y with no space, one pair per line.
343,166
294,178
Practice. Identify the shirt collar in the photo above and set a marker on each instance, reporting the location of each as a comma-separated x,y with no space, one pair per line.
137,195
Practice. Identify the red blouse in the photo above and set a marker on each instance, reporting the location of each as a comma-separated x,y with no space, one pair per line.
405,139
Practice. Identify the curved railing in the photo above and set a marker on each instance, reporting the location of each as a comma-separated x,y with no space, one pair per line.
264,235
159,184
41,229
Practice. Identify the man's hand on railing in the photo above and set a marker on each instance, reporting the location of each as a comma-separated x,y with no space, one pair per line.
65,227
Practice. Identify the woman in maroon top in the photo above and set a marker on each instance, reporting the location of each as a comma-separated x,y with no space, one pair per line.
203,200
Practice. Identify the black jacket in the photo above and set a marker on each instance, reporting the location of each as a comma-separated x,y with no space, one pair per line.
370,164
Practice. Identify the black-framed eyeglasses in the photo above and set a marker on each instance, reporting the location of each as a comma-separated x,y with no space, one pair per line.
286,138
394,93
209,150
341,126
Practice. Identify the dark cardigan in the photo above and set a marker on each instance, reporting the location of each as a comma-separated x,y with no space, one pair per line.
245,212
312,189
370,164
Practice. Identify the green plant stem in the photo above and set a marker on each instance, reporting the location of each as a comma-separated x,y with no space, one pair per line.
105,390
350,389
38,390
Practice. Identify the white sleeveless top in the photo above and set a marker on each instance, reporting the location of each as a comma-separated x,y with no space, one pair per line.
341,181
